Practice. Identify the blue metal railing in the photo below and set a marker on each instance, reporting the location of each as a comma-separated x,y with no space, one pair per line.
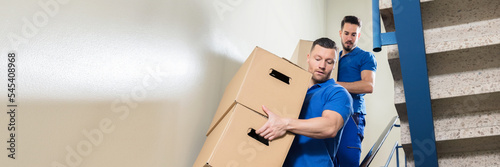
380,39
395,148
377,42
378,144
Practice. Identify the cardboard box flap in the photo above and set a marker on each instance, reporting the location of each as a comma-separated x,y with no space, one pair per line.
293,63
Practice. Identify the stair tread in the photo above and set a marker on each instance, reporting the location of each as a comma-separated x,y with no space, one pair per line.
480,158
449,12
386,4
476,144
459,117
456,73
456,134
457,37
456,84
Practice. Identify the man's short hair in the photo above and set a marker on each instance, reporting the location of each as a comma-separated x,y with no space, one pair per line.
324,42
352,20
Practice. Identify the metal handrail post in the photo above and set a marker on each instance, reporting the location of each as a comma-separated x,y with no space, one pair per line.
376,147
397,155
392,153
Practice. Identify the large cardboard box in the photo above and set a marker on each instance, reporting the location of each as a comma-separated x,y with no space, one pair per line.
234,142
299,56
264,79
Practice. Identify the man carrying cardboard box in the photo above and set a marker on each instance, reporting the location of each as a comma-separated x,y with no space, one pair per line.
325,110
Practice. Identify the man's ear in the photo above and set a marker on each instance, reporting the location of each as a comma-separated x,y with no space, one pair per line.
308,58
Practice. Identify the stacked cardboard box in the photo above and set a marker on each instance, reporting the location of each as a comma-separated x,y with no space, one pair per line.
264,79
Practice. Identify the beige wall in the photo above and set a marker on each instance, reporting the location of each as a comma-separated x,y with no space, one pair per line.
132,83
380,104
136,83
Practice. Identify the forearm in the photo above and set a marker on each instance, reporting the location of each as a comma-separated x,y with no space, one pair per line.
318,128
358,87
322,127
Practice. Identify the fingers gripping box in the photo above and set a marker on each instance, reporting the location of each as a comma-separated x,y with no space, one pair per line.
264,79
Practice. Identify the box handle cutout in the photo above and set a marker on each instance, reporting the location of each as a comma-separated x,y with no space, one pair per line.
257,137
280,76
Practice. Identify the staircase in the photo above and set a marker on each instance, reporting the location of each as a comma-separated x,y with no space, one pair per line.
462,43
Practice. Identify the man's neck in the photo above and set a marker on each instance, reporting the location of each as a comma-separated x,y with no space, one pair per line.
312,83
344,52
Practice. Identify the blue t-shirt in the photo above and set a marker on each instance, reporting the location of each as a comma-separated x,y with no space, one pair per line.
306,151
350,67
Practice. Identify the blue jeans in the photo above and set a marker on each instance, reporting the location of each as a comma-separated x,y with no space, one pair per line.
349,152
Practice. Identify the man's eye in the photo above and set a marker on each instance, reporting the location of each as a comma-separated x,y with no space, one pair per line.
329,62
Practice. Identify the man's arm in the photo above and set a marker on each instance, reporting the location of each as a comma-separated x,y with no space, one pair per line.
365,85
322,127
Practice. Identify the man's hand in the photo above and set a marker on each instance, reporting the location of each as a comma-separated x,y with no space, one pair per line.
275,126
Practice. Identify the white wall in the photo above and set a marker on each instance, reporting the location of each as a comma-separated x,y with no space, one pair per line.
132,83
380,104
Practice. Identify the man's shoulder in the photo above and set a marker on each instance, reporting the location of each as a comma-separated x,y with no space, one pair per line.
364,52
335,88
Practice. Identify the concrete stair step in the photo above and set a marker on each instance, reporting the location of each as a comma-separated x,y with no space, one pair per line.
460,117
449,25
455,85
465,159
444,13
482,158
387,4
461,124
457,37
448,137
476,144
456,73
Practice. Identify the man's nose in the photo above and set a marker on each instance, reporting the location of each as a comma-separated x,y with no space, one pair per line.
349,37
322,65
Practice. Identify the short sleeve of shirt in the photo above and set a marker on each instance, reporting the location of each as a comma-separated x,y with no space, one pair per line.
340,101
368,62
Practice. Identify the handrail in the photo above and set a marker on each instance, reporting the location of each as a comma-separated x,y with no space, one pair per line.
373,151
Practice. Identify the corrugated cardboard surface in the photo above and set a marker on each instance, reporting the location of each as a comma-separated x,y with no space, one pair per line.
299,56
230,145
253,86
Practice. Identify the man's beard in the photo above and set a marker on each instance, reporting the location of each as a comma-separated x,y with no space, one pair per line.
348,49
321,80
